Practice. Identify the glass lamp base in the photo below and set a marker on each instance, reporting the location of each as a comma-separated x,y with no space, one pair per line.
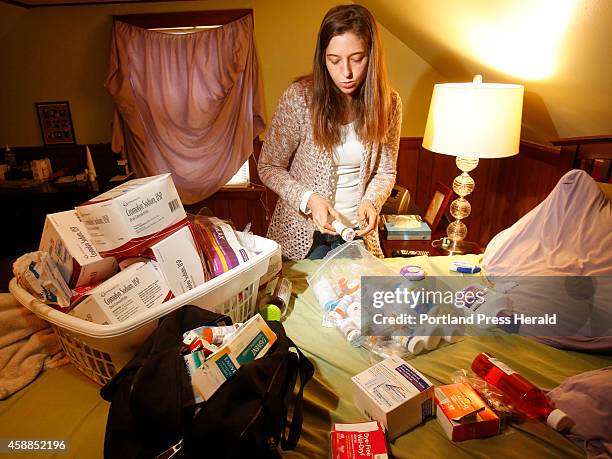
450,247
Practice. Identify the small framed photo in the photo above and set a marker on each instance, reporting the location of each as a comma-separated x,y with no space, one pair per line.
55,122
437,206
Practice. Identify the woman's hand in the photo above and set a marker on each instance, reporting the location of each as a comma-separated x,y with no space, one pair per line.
321,208
367,214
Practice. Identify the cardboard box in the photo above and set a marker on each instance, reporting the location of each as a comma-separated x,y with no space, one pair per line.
406,228
395,394
125,220
463,414
178,259
249,342
128,293
360,440
65,238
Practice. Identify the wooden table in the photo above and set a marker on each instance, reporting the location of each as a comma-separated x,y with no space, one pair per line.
388,246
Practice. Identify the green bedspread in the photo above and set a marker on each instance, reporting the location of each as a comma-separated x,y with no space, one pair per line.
63,404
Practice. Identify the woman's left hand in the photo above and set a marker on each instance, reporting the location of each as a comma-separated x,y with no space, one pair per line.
367,214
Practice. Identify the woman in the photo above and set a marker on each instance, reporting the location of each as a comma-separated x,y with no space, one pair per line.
331,150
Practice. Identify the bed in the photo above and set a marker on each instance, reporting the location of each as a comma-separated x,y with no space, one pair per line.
63,404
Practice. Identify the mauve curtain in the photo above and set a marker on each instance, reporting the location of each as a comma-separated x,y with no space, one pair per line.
187,104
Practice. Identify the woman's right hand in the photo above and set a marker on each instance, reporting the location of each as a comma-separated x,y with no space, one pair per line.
321,208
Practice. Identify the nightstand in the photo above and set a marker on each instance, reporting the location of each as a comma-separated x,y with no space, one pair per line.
389,246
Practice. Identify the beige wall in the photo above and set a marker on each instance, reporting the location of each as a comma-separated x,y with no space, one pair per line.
61,53
558,49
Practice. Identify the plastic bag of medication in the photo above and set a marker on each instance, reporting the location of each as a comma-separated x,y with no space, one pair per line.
337,282
219,244
403,340
497,400
493,304
37,273
417,342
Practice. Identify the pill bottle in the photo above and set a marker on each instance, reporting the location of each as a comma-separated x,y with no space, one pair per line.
278,293
346,233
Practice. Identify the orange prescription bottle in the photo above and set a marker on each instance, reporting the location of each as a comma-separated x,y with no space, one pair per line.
215,335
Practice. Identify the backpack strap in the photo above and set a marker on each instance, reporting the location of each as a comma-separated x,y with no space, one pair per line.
298,364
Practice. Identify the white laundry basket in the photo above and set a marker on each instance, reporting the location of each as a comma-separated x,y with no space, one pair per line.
100,351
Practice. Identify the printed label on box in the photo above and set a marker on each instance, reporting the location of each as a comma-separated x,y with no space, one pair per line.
251,341
393,393
126,294
178,259
131,211
361,440
66,239
463,414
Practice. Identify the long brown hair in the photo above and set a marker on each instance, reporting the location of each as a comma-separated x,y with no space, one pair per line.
371,101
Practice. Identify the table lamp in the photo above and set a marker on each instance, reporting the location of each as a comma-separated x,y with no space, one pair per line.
471,121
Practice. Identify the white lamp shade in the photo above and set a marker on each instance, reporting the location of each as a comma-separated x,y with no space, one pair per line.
481,120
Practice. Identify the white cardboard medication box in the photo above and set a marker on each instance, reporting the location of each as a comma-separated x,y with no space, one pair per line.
395,394
251,341
178,259
120,220
65,238
129,292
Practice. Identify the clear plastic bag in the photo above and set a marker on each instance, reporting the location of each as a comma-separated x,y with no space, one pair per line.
337,283
337,288
222,246
497,401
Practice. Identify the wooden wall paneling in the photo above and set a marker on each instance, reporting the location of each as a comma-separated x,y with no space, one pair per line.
491,203
240,205
518,184
424,172
501,195
239,213
258,216
506,189
477,199
408,164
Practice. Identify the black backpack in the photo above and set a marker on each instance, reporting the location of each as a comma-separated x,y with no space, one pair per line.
152,410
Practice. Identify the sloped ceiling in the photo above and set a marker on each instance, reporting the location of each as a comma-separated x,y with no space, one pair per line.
561,50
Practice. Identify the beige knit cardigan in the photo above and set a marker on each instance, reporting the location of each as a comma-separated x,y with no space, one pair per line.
290,164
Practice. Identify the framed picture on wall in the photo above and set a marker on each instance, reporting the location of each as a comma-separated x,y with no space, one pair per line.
55,122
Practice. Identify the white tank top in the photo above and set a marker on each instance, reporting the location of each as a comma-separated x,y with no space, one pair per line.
345,175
